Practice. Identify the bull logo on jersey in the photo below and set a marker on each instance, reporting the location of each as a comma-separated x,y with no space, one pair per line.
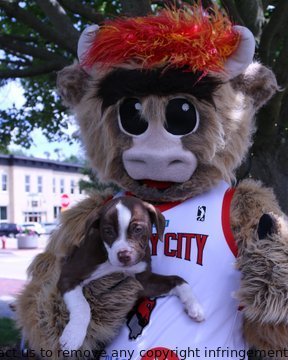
139,317
201,213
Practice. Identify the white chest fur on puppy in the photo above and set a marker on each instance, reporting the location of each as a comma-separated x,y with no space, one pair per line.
116,240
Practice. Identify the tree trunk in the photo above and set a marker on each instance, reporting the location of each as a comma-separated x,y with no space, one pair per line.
270,166
269,157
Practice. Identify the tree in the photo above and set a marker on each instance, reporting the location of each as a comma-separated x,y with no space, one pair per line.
40,37
92,183
74,159
268,158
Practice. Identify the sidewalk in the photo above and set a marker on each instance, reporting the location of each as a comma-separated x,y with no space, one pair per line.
13,266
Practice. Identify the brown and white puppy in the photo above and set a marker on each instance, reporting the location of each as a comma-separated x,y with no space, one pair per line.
117,241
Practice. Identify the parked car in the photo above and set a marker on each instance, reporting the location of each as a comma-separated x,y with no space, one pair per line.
34,226
9,229
49,227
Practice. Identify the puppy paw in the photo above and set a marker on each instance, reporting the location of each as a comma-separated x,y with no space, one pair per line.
195,311
72,337
191,305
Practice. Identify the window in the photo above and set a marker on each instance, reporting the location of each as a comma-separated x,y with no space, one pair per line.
34,203
3,212
27,183
62,186
72,186
33,216
39,183
4,182
56,211
54,185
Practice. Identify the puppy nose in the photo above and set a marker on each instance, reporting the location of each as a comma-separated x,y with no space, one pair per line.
124,256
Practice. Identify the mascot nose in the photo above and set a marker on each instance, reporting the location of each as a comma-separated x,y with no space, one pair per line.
171,164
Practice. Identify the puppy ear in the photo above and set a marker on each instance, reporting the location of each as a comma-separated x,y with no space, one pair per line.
92,222
156,218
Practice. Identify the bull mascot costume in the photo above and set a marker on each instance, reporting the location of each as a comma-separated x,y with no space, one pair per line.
165,105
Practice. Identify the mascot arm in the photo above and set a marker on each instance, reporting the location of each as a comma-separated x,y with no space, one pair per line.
261,231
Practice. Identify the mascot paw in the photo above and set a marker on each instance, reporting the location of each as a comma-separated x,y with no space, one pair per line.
264,265
266,226
72,337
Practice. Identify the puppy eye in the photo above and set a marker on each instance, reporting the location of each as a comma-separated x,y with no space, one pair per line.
137,229
109,232
182,118
130,119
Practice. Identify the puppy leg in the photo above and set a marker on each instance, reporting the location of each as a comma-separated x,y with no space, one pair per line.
192,306
79,310
159,285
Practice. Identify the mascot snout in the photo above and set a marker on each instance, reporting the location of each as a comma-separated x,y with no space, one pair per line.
159,161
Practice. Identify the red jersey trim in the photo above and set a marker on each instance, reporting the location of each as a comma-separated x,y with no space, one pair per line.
226,221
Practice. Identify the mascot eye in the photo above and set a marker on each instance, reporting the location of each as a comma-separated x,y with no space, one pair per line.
182,118
130,119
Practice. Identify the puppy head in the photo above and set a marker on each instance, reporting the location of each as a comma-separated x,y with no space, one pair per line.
125,226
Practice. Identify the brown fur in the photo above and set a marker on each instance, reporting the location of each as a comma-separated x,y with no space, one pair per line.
42,314
264,267
73,221
258,83
266,336
71,84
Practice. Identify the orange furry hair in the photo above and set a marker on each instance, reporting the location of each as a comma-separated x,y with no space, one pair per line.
197,39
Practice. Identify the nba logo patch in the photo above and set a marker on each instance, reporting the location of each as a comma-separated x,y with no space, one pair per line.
201,213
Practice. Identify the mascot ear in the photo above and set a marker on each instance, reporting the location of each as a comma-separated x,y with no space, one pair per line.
243,56
85,41
71,84
72,80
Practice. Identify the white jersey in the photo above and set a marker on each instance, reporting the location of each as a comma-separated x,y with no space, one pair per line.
198,247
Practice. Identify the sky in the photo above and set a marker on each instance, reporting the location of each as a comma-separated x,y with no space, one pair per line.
13,93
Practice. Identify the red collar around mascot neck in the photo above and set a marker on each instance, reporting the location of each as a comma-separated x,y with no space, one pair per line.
160,185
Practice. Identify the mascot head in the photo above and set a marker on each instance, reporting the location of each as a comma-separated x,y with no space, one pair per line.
166,102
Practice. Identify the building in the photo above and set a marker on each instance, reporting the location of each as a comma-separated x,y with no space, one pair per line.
34,190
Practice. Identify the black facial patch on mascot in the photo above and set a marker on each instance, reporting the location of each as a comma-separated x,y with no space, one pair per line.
122,83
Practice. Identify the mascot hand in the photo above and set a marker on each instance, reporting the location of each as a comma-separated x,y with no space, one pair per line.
264,286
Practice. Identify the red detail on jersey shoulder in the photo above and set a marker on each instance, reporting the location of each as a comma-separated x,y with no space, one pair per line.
226,221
